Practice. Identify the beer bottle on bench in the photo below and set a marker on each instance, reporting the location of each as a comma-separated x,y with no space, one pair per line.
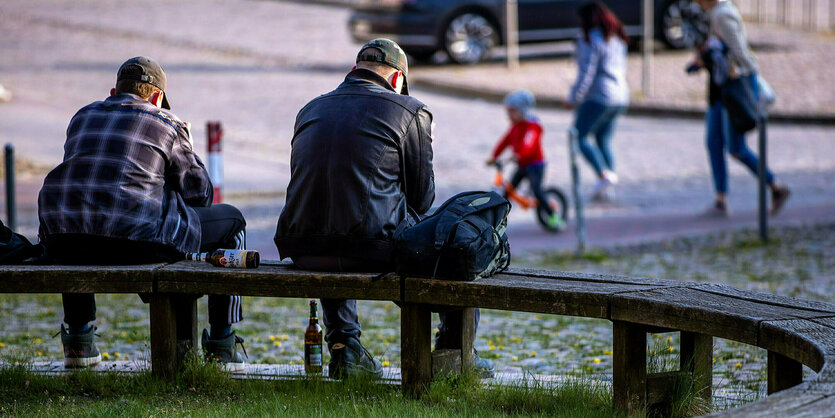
313,343
245,259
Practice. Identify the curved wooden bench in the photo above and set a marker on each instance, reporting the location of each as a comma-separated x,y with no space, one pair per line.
795,332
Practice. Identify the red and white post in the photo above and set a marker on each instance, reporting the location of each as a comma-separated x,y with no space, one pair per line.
215,133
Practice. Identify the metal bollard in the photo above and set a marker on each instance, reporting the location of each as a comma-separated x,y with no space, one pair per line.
11,205
214,132
580,225
763,207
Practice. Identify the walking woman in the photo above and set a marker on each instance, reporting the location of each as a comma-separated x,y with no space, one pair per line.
600,93
728,44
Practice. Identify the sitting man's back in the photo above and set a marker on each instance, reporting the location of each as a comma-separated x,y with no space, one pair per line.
361,165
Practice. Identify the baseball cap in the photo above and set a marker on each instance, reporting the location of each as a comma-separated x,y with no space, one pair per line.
146,70
392,55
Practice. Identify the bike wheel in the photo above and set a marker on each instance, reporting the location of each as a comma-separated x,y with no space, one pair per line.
557,201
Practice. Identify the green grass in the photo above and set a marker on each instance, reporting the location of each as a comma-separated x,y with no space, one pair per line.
203,390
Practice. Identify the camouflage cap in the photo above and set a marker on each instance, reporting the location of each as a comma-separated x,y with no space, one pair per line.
392,55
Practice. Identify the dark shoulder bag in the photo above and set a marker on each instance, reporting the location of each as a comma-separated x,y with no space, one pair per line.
738,99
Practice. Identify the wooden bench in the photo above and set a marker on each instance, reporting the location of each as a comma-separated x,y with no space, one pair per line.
795,332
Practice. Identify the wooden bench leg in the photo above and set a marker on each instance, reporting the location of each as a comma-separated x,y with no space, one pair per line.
629,374
783,372
185,313
460,333
415,348
697,359
163,336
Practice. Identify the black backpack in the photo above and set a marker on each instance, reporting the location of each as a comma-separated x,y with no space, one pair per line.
15,248
463,240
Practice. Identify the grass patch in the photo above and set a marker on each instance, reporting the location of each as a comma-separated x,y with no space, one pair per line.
203,390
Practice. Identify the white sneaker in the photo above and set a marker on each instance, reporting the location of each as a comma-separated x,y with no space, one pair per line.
611,176
5,94
599,193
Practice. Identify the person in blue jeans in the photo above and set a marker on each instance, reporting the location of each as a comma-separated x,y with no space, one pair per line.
600,93
726,55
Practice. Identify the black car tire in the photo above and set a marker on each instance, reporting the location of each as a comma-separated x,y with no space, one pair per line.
469,38
682,24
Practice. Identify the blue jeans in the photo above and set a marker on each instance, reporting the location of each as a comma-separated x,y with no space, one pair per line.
598,119
721,135
534,174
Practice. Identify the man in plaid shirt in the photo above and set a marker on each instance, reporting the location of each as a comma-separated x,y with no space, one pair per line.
131,190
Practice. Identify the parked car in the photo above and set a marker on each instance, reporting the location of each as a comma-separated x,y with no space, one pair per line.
469,29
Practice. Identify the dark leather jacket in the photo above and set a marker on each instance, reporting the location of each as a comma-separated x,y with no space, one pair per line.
361,163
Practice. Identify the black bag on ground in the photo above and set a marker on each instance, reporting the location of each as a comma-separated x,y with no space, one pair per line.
15,248
738,99
463,240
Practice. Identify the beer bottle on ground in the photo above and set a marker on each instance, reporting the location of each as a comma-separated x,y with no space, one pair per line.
247,259
313,343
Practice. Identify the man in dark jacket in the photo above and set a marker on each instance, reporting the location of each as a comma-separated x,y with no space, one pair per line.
361,164
131,190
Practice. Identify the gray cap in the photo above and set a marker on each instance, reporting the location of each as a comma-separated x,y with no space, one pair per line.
392,55
146,70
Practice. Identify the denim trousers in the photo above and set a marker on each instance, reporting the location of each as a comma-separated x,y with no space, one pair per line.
600,120
340,315
534,174
222,226
721,136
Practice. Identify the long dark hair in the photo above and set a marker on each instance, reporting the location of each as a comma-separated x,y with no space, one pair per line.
597,15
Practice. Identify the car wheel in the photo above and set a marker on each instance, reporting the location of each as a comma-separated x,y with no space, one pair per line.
469,38
683,24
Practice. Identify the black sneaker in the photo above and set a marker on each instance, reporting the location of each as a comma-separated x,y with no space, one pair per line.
223,351
80,349
485,368
350,358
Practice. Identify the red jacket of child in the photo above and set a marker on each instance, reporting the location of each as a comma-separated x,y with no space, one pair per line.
526,140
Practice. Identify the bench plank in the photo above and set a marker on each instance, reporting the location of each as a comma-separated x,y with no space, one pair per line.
276,281
577,297
78,279
803,340
692,309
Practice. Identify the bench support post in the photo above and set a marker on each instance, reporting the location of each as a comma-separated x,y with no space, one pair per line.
783,372
629,374
460,333
185,312
163,336
697,359
415,348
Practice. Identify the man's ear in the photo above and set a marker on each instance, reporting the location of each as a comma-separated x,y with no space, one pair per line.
112,91
397,80
156,98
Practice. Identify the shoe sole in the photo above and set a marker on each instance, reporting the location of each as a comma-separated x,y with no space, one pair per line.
79,362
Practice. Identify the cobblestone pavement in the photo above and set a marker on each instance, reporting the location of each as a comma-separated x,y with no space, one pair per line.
253,64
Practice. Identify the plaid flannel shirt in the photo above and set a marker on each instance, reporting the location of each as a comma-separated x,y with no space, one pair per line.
129,172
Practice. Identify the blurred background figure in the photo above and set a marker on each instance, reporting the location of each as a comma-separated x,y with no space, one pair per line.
5,94
600,93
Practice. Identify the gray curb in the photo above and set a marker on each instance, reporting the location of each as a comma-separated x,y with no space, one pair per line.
495,95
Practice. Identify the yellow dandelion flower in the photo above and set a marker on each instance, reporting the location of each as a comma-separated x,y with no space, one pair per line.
491,347
596,360
123,334
130,341
385,364
738,365
38,341
284,337
489,342
2,345
607,352
116,354
282,351
272,337
515,358
670,349
39,353
516,340
591,335
669,339
278,343
292,363
501,347
533,353
714,360
388,307
105,355
556,333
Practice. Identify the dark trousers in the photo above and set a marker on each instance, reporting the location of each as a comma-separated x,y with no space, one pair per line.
340,315
534,174
221,225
